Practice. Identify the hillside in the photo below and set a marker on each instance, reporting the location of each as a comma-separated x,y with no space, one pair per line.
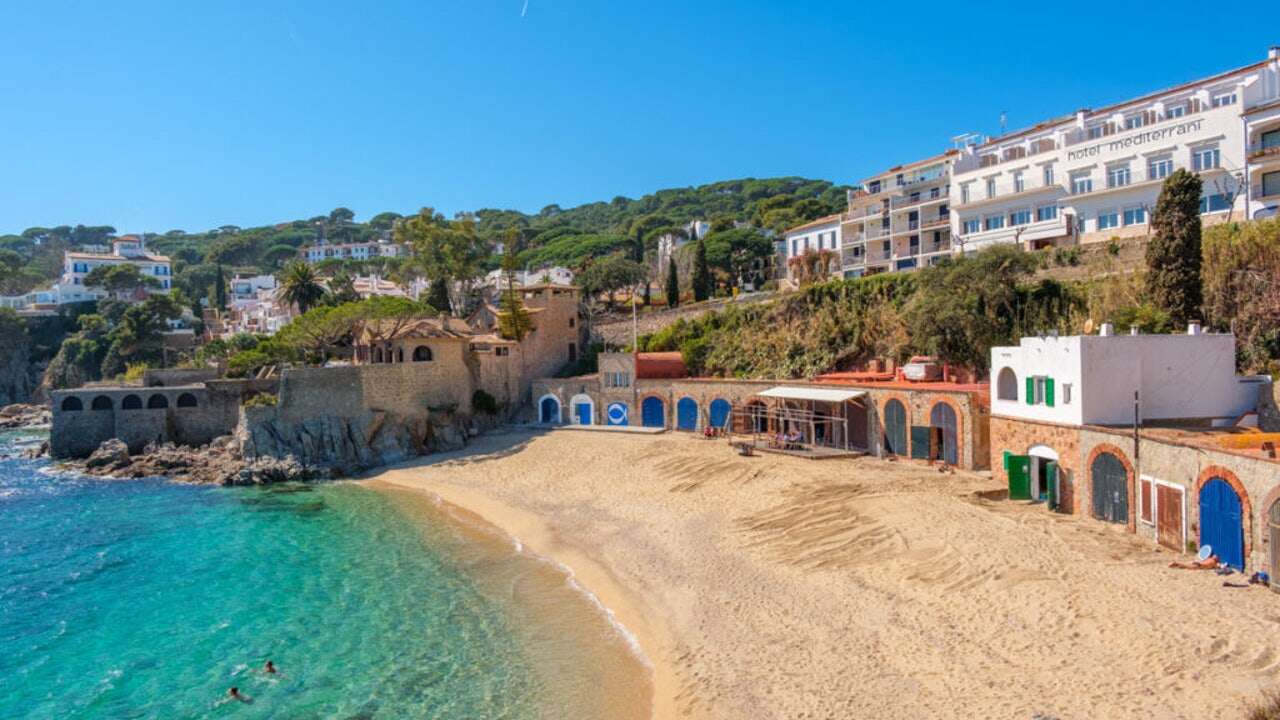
566,236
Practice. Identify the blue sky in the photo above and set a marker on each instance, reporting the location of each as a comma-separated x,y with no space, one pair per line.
155,116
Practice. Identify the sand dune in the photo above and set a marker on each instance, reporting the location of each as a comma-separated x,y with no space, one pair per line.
773,587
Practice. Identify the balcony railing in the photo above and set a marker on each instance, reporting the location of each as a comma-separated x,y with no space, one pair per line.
875,232
875,255
1259,150
1262,191
905,201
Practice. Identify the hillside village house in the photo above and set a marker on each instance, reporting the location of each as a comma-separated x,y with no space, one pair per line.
1095,174
670,242
351,251
76,265
816,236
1153,432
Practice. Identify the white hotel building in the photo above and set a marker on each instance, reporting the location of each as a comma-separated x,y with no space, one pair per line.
351,251
900,220
1096,174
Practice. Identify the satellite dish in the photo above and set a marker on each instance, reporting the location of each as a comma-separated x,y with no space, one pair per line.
1088,326
1205,552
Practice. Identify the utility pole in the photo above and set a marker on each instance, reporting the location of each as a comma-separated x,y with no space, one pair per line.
1137,458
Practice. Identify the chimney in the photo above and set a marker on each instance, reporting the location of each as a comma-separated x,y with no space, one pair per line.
1193,328
1107,330
1274,53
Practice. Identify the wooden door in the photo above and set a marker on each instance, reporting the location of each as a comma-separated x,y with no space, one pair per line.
1109,487
895,428
1169,517
1019,469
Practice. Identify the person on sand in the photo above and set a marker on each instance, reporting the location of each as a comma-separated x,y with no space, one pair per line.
269,668
1208,563
235,694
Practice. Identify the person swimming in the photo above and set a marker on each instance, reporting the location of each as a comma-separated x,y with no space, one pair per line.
235,694
269,668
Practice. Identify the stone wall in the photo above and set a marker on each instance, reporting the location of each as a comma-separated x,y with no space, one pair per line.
137,416
173,377
1017,437
972,435
1269,407
404,389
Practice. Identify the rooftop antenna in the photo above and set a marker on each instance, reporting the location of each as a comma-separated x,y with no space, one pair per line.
1004,121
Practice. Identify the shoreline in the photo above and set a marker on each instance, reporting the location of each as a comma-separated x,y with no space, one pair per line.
629,614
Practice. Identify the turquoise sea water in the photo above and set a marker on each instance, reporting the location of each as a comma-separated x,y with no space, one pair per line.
148,599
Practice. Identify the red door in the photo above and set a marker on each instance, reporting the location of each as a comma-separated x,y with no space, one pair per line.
1169,522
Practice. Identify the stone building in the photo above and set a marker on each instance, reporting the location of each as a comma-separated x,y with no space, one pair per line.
1155,433
882,415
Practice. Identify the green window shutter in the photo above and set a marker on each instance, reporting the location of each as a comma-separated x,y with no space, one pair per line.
1048,392
1031,390
1007,455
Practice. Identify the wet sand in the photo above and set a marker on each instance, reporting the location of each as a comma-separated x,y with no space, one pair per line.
776,587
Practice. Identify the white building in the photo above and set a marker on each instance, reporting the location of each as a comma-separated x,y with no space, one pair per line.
555,275
817,236
899,220
351,251
1091,379
77,265
670,242
244,288
1095,174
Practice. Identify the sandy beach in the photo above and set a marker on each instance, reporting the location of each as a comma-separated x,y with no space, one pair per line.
776,587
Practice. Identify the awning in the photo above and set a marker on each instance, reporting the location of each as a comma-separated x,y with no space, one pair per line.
812,393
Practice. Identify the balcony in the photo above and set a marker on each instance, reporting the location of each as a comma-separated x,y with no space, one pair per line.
879,255
1263,152
850,257
905,201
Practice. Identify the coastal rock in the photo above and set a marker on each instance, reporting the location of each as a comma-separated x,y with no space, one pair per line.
347,445
110,454
21,415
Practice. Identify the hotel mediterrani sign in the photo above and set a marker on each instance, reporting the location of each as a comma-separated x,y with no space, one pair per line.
1136,139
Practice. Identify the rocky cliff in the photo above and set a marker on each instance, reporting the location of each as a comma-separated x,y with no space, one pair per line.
347,445
17,377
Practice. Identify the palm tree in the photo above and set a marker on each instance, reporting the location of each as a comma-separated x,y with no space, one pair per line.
299,286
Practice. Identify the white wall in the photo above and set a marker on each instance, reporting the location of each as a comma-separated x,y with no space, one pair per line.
1177,376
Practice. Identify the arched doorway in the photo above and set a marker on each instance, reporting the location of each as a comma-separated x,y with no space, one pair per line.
71,403
549,410
616,414
131,402
1042,481
1222,522
942,429
895,428
1109,488
720,409
157,402
102,402
187,400
653,412
584,409
687,414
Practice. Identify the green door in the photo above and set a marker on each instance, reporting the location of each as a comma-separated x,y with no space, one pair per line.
1019,467
1051,481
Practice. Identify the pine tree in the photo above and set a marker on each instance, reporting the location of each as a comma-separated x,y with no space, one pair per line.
438,294
1174,253
220,289
514,321
673,284
701,273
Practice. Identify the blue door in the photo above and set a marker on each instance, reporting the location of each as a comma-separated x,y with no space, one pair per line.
616,414
652,414
719,413
1221,522
549,411
687,414
582,411
895,428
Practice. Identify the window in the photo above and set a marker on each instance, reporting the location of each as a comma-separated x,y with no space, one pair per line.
993,222
502,351
1040,390
1271,184
873,187
943,210
1175,111
935,193
1081,183
573,322
964,193
1159,168
1018,183
1066,393
1046,212
972,225
422,353
991,187
1205,158
1094,132
795,247
1134,216
573,352
1020,217
1108,219
1007,384
1134,121
1270,140
1214,203
1048,175
1224,99
1117,176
